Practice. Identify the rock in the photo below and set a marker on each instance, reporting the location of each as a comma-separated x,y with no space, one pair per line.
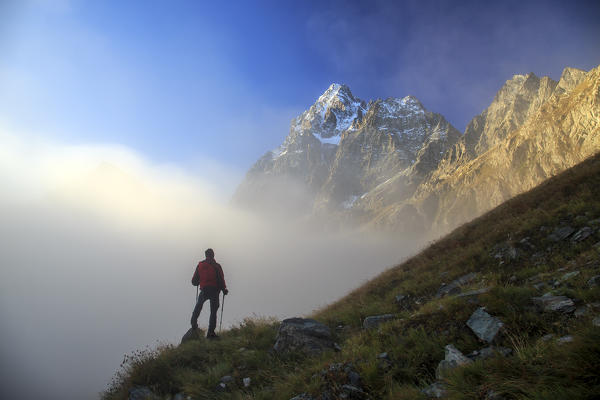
565,339
142,393
454,287
374,320
474,292
337,347
192,334
547,337
353,392
594,281
453,359
561,233
304,335
354,378
582,234
539,286
550,303
181,396
246,382
491,395
435,390
227,379
512,279
491,351
383,356
505,252
221,387
569,275
484,325
596,321
302,396
400,298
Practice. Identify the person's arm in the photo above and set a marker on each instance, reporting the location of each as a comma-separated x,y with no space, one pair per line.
224,288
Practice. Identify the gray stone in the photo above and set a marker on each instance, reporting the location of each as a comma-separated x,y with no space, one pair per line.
227,379
596,321
550,303
435,390
192,334
302,396
383,355
539,286
454,287
491,351
594,281
561,233
492,395
512,279
569,275
484,325
142,393
565,339
547,337
505,252
354,378
181,396
453,359
374,320
400,298
246,382
353,392
582,234
305,335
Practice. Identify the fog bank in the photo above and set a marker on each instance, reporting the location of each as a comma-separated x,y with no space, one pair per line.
99,246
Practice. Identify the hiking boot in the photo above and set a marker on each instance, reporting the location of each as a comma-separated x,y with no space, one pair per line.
212,335
194,325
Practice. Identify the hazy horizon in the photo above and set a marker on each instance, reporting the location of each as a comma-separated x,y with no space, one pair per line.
100,246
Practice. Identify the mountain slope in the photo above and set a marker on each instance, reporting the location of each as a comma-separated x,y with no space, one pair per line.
518,148
542,241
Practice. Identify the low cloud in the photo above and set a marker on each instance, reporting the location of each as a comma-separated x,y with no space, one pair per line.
99,246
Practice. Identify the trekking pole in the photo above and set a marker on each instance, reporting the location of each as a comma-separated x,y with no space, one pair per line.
222,307
196,294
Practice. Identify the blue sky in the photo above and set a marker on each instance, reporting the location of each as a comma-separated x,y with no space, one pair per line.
186,81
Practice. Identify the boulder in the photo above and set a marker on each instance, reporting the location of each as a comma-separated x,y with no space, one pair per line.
192,334
489,352
302,396
454,287
353,392
565,339
550,303
142,393
561,233
582,234
453,359
305,335
435,390
569,275
374,320
483,325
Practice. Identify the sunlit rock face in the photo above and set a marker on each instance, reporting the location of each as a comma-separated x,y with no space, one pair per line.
393,165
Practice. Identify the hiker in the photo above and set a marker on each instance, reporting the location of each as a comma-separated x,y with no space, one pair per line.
209,275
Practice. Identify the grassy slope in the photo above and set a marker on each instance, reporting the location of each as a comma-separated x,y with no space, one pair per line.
537,370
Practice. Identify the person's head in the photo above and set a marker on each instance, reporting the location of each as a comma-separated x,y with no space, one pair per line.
209,253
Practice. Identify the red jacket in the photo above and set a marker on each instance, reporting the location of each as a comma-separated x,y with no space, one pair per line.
210,273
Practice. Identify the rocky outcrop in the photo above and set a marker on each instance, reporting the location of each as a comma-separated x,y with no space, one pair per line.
304,335
374,321
192,334
550,303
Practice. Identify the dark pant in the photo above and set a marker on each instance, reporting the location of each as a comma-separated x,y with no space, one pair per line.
212,294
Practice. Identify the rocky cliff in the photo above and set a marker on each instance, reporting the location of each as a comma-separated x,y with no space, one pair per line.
392,164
